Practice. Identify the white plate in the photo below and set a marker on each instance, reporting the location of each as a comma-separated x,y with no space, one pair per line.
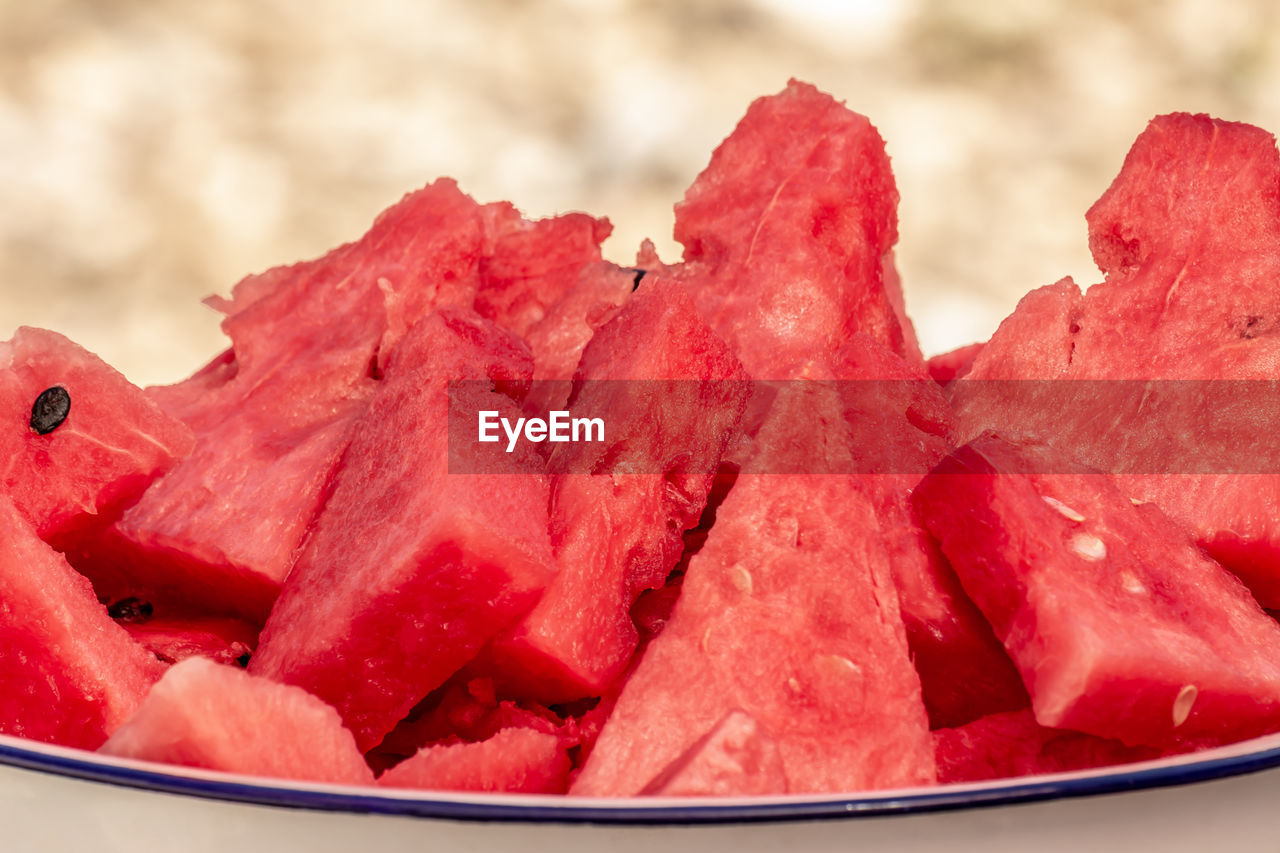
55,799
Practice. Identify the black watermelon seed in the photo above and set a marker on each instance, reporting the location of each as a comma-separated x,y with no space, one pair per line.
50,409
243,660
130,610
635,282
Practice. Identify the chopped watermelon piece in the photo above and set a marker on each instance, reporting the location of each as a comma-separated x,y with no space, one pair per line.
1188,236
1119,625
789,614
902,425
733,759
515,761
468,709
373,624
953,364
558,339
1012,743
223,528
965,673
68,674
793,222
206,714
105,445
618,533
229,641
529,266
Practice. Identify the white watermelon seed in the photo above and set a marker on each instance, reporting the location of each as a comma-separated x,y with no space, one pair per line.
1182,704
794,684
741,580
1131,583
1089,547
1063,510
1138,501
844,663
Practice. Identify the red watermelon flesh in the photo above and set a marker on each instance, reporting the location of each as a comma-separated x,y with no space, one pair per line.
373,624
84,471
273,419
902,425
514,761
733,759
558,339
464,709
229,641
794,220
953,364
1012,743
1120,626
618,532
68,674
789,614
205,714
1188,236
529,266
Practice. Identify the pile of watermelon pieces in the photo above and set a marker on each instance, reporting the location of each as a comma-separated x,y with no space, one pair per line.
289,564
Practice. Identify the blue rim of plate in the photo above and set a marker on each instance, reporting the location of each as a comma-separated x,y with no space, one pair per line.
546,809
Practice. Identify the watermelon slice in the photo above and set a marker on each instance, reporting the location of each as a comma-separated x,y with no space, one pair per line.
793,222
529,266
205,714
901,425
788,614
229,641
466,709
1120,626
951,365
618,532
100,442
68,674
1188,236
515,760
558,339
221,531
735,758
373,624
1012,743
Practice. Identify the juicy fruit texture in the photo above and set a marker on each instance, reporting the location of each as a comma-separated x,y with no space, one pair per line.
229,641
205,714
1120,626
515,760
273,418
558,339
788,613
373,624
794,222
712,601
1012,743
735,758
1188,236
68,674
531,266
68,478
618,534
902,424
953,364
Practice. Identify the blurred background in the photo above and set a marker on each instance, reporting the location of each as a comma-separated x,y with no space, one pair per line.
152,153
